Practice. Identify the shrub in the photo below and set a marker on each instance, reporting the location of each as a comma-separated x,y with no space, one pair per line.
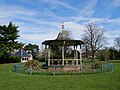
44,66
32,63
42,59
96,65
14,59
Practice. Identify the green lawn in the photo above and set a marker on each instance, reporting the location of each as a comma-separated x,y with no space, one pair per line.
104,81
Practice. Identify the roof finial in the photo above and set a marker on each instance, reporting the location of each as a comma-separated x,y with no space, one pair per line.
62,25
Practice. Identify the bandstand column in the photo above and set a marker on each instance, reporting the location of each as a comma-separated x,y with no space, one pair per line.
46,53
48,57
76,56
80,58
63,53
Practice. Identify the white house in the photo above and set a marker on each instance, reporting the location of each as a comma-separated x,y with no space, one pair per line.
23,55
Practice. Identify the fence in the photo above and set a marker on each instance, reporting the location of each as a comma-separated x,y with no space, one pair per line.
107,67
65,70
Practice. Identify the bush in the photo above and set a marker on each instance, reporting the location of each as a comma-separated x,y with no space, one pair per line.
42,59
114,61
44,66
14,59
32,63
96,65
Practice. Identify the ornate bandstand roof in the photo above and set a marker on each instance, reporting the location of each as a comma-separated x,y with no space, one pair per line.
63,38
64,35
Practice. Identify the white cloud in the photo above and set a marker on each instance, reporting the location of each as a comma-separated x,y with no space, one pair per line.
31,37
74,26
37,38
117,3
14,11
111,35
59,3
76,29
89,9
115,21
36,30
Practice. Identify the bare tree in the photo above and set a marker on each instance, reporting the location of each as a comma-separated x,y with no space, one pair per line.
117,43
94,38
86,48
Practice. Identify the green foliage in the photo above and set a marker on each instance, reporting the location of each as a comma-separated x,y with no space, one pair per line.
8,37
103,54
33,48
114,61
42,59
14,59
32,63
57,51
19,45
114,54
96,65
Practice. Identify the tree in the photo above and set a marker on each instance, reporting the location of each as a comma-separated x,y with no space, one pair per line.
94,38
33,48
117,43
103,54
86,47
8,37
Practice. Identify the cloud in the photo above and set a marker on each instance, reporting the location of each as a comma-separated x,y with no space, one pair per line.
117,3
38,22
75,28
88,10
37,38
59,3
14,11
110,36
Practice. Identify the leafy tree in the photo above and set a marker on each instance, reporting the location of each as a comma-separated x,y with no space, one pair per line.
33,49
114,54
19,45
8,37
94,38
117,47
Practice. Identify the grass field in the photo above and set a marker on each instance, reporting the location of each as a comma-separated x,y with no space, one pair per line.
104,81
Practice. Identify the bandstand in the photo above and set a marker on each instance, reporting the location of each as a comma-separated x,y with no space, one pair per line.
62,41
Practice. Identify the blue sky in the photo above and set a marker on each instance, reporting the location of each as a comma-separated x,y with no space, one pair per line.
40,20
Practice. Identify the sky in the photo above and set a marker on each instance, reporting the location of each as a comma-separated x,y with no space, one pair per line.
40,20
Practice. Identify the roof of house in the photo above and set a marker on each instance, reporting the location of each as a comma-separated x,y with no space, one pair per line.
21,53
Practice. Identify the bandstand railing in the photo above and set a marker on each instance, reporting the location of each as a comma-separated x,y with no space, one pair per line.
66,62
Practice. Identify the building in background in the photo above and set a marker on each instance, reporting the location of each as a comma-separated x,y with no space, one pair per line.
24,56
